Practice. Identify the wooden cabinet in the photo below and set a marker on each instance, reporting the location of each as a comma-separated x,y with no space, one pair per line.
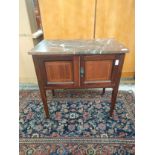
75,69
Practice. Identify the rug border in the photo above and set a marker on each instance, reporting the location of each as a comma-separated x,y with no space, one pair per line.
77,140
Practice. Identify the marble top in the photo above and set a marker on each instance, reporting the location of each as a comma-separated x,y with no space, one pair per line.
97,46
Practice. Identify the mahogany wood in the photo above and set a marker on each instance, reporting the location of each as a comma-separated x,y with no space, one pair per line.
103,91
78,71
98,70
59,71
116,79
41,84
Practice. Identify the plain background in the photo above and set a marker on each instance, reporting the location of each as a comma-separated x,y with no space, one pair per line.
145,77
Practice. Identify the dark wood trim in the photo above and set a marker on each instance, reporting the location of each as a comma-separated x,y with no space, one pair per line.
53,92
59,83
82,65
106,85
103,91
116,80
99,57
41,85
102,82
76,66
54,57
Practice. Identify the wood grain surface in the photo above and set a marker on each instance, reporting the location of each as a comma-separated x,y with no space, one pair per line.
59,71
115,18
67,19
98,70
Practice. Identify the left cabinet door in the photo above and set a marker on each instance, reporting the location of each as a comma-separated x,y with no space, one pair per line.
58,71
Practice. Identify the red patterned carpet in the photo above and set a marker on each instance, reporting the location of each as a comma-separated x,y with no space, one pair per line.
79,123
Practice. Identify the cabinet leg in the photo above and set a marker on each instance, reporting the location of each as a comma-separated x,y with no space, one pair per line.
113,100
103,91
44,99
53,93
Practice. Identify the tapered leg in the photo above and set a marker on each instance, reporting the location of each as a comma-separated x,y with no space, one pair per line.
53,93
113,100
103,91
44,99
40,76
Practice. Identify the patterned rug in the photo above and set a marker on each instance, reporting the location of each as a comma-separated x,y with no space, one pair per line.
79,123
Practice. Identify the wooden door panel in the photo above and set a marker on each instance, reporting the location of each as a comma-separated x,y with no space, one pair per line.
98,70
59,71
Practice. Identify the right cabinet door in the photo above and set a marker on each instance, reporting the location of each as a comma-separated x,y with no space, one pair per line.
98,70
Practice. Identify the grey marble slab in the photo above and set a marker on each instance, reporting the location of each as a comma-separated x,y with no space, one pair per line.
96,46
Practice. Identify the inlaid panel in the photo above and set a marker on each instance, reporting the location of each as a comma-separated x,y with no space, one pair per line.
98,70
59,71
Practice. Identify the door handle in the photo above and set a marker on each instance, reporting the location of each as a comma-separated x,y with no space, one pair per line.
82,72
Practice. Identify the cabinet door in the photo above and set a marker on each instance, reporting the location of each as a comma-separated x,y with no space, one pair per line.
59,71
97,70
68,19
